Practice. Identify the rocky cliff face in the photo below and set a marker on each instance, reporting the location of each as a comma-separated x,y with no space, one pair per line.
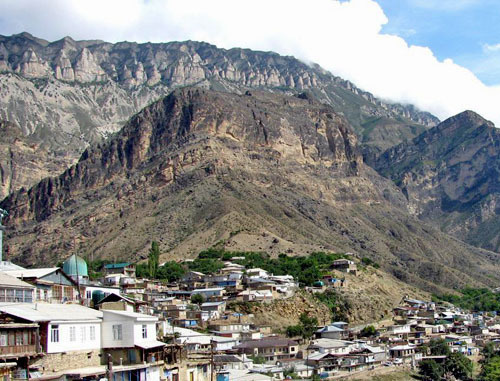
451,177
256,171
68,94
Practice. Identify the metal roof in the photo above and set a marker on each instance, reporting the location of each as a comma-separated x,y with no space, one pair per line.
7,280
37,312
32,273
116,265
134,315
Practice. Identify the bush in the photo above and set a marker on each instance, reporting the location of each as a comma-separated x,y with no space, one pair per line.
368,331
430,370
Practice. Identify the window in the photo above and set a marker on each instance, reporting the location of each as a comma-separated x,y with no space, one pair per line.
72,333
83,334
89,294
117,332
4,339
54,333
57,291
68,293
92,333
28,296
19,338
144,331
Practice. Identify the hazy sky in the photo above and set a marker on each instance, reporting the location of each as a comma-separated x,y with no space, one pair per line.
441,55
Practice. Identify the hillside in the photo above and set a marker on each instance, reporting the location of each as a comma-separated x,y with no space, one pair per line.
198,167
68,94
451,177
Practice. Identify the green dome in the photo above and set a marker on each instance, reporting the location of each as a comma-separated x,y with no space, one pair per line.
75,266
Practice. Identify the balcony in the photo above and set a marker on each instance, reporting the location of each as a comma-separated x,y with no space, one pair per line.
17,350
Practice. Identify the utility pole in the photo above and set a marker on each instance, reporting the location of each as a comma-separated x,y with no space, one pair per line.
212,365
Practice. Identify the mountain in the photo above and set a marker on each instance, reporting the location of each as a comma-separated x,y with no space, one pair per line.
256,171
68,94
450,175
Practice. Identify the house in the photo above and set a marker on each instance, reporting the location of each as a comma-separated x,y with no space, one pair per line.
67,333
332,346
120,303
214,293
19,344
15,290
193,280
271,348
215,309
124,268
52,284
131,336
324,364
345,265
331,332
404,352
257,273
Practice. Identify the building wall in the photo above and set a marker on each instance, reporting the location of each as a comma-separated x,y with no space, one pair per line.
82,337
55,362
131,331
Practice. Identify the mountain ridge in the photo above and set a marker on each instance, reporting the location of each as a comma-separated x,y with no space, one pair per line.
257,171
69,94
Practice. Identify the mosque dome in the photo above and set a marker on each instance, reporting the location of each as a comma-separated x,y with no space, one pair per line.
75,266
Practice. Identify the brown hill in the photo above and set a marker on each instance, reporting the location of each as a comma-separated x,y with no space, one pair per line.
199,167
451,177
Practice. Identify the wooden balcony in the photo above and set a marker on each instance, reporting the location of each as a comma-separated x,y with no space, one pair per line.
11,350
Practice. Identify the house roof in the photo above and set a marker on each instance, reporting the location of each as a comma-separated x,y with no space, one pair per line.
267,343
121,265
330,328
212,304
7,280
150,344
32,273
330,343
37,312
133,315
221,359
201,290
8,265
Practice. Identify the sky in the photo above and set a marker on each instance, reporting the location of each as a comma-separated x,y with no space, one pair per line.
441,55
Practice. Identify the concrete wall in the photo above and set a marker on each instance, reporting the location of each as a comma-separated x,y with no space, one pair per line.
82,340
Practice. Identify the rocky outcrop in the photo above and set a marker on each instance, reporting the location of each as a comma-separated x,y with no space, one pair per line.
451,177
68,94
201,167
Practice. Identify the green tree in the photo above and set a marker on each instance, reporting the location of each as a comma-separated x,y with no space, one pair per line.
368,331
153,259
171,271
309,325
459,365
438,347
197,299
294,330
491,369
430,370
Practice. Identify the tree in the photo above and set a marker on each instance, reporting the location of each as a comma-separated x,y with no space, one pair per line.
491,369
459,365
172,271
294,330
309,325
430,370
153,259
197,299
438,347
368,331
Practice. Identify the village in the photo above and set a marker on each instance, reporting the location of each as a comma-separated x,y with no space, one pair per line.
57,324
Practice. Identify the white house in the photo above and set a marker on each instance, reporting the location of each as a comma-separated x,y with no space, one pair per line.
125,329
63,327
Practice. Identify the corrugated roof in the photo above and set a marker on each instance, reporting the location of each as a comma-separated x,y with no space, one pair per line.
134,315
32,273
267,343
50,312
7,280
116,265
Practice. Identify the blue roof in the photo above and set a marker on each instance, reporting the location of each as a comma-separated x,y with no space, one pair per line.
116,265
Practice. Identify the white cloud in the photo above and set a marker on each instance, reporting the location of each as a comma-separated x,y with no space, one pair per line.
444,5
491,48
342,36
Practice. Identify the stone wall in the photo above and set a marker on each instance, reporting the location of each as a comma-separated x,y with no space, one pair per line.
56,362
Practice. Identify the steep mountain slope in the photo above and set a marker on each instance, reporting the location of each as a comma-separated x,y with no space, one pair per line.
451,177
67,94
260,170
22,160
